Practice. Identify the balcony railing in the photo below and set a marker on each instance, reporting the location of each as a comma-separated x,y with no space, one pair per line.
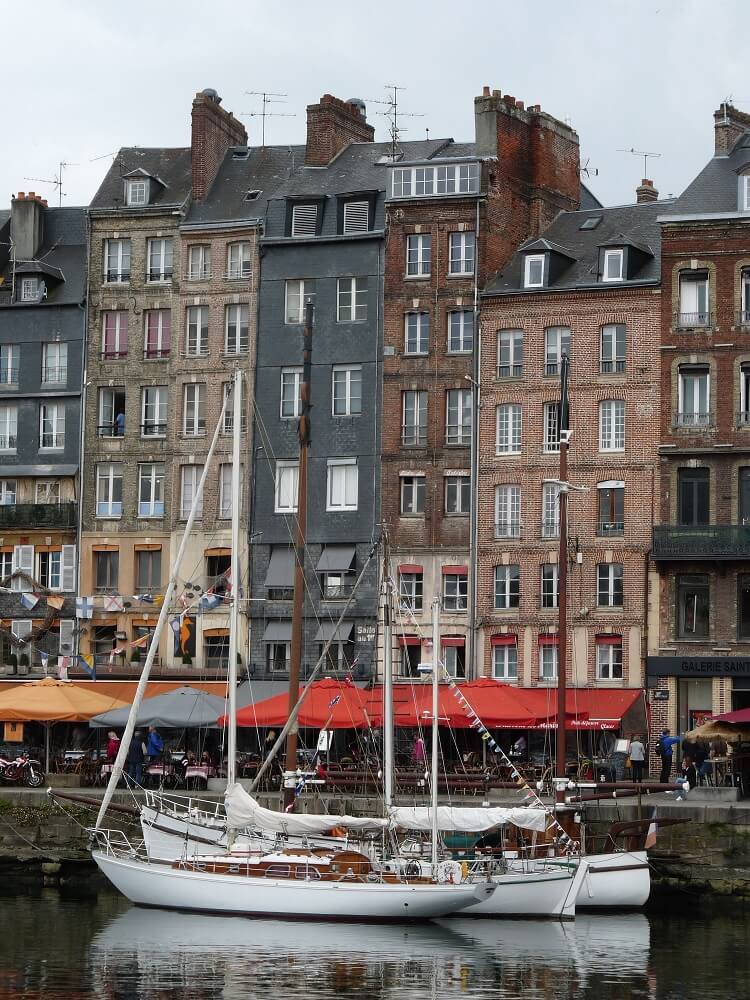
110,430
743,317
155,353
692,320
54,373
611,529
8,378
115,277
685,419
150,429
711,541
155,275
550,529
510,371
743,418
39,515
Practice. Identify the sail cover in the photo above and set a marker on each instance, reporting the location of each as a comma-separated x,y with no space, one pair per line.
468,820
243,810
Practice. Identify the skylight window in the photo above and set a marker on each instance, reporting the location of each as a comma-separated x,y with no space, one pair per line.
591,223
252,195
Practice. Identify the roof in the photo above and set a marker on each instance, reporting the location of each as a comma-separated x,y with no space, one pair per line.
170,167
587,199
715,187
633,225
62,255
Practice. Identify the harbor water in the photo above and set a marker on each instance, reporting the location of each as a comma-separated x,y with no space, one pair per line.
63,945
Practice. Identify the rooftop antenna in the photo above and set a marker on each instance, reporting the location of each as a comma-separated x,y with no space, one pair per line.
57,181
104,156
589,171
394,114
267,97
640,152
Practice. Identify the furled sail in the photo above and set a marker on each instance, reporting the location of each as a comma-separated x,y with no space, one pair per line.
244,811
468,820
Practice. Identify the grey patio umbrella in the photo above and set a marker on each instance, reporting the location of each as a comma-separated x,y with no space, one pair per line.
183,708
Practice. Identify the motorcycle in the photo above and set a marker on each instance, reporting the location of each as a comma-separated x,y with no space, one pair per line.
24,770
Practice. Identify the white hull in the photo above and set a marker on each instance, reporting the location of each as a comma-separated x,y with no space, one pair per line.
616,881
162,886
547,893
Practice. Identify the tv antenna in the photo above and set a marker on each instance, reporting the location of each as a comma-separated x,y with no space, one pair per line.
394,115
267,97
57,181
588,171
645,155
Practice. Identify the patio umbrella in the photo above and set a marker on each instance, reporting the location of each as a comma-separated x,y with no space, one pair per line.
716,729
49,701
329,704
183,708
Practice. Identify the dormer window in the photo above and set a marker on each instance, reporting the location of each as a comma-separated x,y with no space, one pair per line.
137,191
29,289
533,271
614,261
356,217
305,220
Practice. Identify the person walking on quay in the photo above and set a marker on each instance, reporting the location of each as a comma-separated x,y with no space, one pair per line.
154,744
637,758
666,742
135,758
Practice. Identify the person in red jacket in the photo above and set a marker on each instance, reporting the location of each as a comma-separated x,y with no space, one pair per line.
113,745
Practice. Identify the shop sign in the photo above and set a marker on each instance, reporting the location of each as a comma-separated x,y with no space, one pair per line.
698,666
660,695
365,633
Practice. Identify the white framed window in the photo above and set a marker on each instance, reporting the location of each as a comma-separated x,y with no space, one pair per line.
116,261
225,490
612,353
507,589
694,397
533,270
549,586
356,217
612,425
343,484
614,265
114,335
111,411
51,425
611,495
9,364
29,289
351,300
8,492
148,570
236,327
509,353
550,510
109,489
457,494
194,409
6,564
551,428
547,661
196,331
694,299
460,331
305,219
157,334
416,333
55,362
420,182
410,590
505,661
46,490
557,343
413,491
199,262
455,591
346,390
190,477
297,292
154,411
609,657
291,395
458,415
414,418
278,655
67,636
461,251
418,255
151,489
137,191
49,569
8,426
507,511
228,395
23,562
287,480
508,429
609,585
160,259
239,261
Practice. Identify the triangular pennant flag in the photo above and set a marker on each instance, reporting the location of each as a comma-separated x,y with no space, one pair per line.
87,662
29,601
55,602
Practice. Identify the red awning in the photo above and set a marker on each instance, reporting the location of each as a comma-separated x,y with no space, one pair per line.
742,715
410,640
331,704
410,568
455,570
498,705
549,640
609,640
586,708
504,639
453,640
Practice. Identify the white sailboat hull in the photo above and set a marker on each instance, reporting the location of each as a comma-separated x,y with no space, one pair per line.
549,893
615,881
160,885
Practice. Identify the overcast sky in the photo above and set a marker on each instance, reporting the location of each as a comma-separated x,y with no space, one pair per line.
85,77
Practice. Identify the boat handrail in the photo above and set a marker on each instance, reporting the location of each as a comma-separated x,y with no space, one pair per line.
113,841
195,806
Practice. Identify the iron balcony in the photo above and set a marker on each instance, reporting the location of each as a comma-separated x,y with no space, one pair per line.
40,515
711,541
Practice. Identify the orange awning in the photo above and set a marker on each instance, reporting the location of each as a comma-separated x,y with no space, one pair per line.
50,700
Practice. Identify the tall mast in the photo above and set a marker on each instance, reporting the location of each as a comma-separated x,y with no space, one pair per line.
562,580
234,611
435,736
295,658
387,674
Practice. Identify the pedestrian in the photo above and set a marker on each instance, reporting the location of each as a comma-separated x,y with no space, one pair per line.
135,758
700,758
113,745
269,742
665,744
688,776
418,752
154,744
519,747
637,758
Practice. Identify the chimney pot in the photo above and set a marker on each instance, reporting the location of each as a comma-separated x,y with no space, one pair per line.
509,99
496,93
32,195
646,192
519,105
485,91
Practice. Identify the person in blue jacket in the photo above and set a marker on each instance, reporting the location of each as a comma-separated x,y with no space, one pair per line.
154,744
666,742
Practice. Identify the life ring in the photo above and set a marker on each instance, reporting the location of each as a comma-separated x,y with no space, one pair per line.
449,872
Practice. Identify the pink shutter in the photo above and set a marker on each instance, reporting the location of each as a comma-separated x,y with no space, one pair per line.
166,332
123,346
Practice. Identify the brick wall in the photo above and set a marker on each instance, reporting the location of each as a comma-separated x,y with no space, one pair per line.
331,125
214,130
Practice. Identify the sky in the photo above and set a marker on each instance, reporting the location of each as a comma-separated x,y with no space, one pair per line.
86,77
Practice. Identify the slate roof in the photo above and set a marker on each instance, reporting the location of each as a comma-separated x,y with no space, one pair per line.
63,250
170,166
633,225
715,187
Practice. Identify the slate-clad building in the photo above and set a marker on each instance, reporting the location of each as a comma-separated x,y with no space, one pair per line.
42,325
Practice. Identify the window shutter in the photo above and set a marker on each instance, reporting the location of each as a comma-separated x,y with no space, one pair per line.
304,220
67,630
356,217
68,568
23,562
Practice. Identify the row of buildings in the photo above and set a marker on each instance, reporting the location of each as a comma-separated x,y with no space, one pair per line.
448,279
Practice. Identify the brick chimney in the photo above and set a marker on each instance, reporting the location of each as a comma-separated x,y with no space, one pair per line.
214,131
729,125
27,224
331,125
646,191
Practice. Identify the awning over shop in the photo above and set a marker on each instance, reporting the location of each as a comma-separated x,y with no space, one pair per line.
409,640
278,632
587,708
331,632
280,574
335,558
329,703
